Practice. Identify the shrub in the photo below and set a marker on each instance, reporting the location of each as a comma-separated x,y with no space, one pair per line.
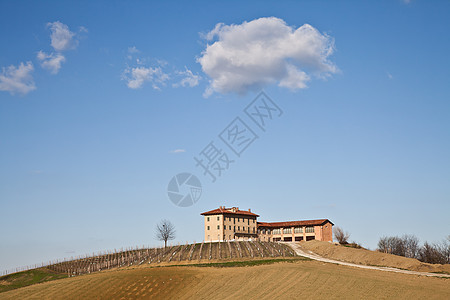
341,236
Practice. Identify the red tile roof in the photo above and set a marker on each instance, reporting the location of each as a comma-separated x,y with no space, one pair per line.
223,211
294,223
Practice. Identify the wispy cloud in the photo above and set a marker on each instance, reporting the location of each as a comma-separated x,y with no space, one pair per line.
83,29
189,79
176,151
158,72
133,50
17,80
389,75
265,51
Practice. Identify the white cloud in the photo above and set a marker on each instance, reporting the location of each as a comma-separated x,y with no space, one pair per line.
265,51
51,62
137,76
188,80
176,151
133,49
17,79
389,75
62,38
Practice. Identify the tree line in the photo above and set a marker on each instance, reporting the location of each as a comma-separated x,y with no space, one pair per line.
409,246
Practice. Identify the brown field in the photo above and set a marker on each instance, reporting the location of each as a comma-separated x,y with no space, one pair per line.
372,258
284,280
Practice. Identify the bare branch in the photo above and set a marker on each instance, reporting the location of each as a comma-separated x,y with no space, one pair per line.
165,231
341,236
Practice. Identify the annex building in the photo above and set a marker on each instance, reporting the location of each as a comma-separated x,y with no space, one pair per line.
224,224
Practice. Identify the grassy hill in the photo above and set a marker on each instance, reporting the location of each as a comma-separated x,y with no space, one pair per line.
284,280
186,254
371,258
223,270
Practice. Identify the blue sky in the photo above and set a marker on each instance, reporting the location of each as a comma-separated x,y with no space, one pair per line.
96,99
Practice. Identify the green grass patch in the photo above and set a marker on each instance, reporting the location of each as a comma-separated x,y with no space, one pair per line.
246,263
26,278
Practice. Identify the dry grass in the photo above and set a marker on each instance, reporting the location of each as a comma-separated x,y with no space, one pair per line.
373,258
305,279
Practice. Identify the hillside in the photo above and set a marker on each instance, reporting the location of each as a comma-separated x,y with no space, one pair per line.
371,258
299,278
185,254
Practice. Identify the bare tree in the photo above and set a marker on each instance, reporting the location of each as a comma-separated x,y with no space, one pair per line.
165,231
341,236
392,245
431,254
383,244
411,244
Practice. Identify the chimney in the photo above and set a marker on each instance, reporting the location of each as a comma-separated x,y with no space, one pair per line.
249,210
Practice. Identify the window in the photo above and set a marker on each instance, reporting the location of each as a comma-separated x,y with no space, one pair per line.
248,221
276,231
268,232
309,229
253,221
243,228
230,227
298,229
208,227
238,219
218,218
218,226
234,228
287,230
253,229
239,229
207,219
234,220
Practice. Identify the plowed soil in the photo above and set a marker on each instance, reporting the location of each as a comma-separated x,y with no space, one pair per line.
284,280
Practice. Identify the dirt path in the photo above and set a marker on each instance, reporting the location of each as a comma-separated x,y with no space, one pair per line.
297,248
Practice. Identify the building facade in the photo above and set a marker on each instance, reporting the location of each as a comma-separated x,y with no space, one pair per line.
296,231
224,224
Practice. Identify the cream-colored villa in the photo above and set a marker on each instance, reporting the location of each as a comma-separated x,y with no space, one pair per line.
224,224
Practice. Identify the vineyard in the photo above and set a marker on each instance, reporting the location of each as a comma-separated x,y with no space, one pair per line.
180,253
